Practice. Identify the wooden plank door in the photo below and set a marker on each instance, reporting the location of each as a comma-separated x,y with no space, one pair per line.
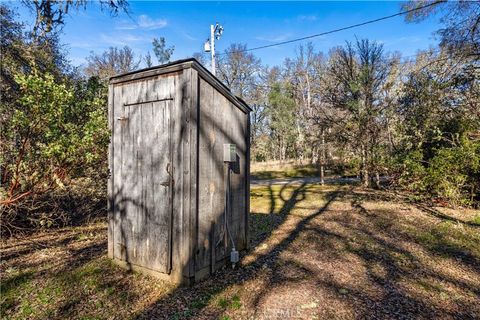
144,175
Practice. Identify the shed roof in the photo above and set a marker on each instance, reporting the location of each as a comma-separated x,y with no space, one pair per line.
180,65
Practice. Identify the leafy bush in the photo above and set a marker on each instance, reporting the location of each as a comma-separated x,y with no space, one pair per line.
52,135
453,173
413,172
350,167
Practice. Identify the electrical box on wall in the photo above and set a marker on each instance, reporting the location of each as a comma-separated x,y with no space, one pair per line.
229,152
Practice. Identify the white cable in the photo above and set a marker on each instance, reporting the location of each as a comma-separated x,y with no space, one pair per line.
227,207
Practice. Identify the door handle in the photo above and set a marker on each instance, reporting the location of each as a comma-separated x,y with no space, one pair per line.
169,170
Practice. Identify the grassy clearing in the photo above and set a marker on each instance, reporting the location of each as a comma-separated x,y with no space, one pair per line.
66,274
476,220
264,171
317,252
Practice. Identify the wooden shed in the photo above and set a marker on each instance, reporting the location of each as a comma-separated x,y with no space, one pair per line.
169,182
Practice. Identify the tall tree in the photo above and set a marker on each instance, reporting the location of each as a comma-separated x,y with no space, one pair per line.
111,62
239,70
281,111
201,57
54,127
162,52
148,60
304,72
440,129
460,34
243,73
50,14
358,73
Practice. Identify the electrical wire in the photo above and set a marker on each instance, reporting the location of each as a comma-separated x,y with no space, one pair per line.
336,30
228,207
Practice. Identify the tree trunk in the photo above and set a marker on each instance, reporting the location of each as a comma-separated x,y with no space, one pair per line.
282,150
377,180
322,159
314,156
364,168
329,150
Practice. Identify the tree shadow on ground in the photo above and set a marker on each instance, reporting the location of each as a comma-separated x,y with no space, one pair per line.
377,272
437,239
437,214
391,248
54,275
176,304
341,260
375,195
264,224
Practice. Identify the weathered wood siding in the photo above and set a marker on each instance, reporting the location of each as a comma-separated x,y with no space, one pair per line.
220,122
144,130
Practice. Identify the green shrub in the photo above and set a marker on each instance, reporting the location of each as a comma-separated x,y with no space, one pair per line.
452,173
53,134
413,172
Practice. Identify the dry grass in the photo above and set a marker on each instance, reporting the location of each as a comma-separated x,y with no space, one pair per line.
280,170
317,252
66,274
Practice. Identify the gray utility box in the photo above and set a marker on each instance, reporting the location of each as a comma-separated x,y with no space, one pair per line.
229,152
167,186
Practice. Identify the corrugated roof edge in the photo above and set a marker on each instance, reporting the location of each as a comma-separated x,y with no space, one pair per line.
191,62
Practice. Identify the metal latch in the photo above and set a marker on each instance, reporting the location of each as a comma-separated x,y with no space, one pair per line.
165,183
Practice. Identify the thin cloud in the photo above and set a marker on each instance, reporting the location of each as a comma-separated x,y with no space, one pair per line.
404,40
144,22
81,44
122,40
308,18
277,38
189,37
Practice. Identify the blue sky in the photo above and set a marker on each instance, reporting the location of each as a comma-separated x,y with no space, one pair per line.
186,25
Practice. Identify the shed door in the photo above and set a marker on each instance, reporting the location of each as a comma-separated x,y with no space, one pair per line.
147,184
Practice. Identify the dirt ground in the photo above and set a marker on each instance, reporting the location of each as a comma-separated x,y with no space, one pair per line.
332,252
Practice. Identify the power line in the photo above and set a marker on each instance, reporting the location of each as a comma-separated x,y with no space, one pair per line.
338,30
